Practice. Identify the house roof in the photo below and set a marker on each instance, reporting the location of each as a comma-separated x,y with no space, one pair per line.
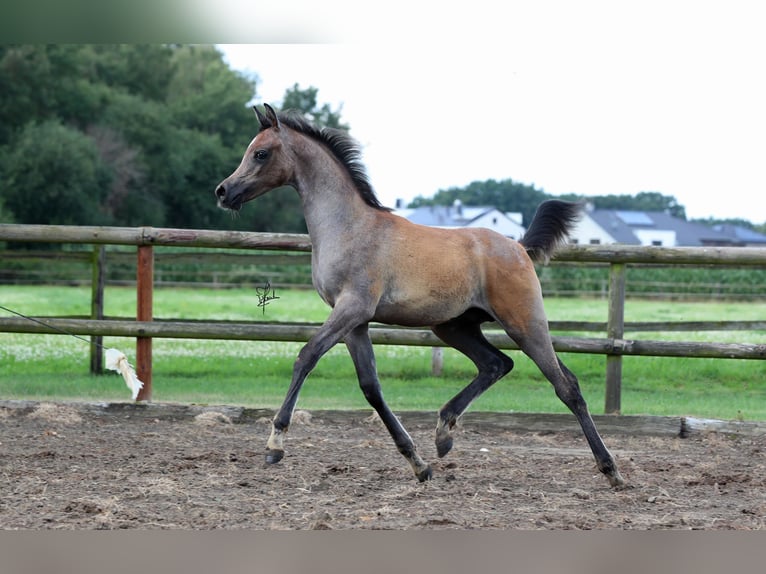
614,226
446,215
741,234
621,225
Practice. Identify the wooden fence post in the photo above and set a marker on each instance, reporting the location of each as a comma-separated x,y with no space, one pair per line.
615,329
437,361
97,309
144,291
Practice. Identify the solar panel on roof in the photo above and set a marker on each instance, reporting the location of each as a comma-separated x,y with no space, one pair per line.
635,218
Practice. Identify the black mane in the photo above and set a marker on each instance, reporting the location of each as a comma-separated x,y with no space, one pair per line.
343,147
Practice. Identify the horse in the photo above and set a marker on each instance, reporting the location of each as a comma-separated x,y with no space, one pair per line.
370,265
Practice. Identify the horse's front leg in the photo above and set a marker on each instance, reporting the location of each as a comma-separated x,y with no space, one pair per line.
342,319
360,348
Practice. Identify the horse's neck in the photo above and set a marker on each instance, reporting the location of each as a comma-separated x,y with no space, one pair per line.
331,205
327,218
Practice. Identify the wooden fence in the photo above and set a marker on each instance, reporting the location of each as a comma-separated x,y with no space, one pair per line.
614,346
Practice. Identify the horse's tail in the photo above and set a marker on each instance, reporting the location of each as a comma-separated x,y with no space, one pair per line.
550,226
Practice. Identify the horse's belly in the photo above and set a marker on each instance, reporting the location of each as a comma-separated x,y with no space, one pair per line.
414,313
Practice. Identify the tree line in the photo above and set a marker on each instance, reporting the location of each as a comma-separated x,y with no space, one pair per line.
135,135
132,135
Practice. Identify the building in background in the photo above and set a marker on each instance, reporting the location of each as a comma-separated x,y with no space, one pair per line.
605,226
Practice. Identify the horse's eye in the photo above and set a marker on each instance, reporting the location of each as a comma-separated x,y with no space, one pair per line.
261,155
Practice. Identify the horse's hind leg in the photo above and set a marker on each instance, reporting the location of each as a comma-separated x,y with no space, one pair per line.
536,343
465,335
360,348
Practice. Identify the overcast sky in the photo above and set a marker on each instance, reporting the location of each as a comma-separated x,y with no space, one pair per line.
657,99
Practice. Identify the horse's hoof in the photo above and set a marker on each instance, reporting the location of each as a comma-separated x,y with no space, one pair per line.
443,445
616,480
273,456
424,474
612,474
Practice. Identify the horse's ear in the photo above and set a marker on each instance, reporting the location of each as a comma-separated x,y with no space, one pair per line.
273,119
263,120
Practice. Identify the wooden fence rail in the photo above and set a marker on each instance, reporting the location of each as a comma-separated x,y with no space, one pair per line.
614,346
381,335
153,236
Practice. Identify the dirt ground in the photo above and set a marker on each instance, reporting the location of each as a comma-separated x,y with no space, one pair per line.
63,466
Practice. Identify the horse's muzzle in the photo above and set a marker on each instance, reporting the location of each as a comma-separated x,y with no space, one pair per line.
227,200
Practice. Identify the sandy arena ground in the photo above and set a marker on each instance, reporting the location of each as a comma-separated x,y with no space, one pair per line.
71,466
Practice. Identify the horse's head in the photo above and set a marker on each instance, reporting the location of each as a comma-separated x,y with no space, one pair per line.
263,167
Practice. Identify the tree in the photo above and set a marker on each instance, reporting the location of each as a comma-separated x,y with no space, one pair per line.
41,82
196,165
184,145
5,214
306,101
127,175
53,174
505,195
132,135
145,70
642,201
205,95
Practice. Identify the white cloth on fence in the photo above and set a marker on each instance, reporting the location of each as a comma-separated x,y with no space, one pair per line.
117,361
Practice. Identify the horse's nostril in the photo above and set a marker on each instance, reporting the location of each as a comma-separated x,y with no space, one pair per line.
220,192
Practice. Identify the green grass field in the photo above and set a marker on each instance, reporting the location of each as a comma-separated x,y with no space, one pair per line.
55,367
